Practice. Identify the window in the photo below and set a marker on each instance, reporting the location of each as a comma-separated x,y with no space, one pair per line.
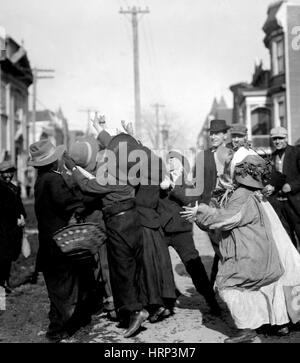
281,113
261,121
278,57
3,99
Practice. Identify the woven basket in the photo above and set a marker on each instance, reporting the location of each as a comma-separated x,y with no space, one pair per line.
78,240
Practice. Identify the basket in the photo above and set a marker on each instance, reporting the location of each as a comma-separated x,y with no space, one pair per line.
80,241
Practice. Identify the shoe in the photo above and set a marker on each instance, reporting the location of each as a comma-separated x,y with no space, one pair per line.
284,331
136,320
157,315
244,336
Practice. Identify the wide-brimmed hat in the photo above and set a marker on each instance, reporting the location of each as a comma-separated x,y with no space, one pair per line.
7,166
84,152
252,171
238,129
43,153
218,126
279,132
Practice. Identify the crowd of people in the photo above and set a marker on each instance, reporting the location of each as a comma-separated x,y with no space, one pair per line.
248,205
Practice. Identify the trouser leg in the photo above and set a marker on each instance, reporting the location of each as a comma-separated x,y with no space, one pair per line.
287,217
108,299
214,269
125,254
294,222
184,245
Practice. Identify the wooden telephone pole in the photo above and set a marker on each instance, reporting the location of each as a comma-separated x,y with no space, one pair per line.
134,12
157,106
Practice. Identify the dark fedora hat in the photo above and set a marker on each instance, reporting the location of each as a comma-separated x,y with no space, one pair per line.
43,153
218,126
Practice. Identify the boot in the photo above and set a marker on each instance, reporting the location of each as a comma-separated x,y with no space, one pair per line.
202,284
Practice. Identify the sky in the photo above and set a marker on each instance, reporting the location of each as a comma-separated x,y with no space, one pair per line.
190,52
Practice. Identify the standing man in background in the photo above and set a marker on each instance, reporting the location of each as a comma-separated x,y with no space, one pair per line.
212,161
285,183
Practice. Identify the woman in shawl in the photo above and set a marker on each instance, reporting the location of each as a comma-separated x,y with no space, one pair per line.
257,257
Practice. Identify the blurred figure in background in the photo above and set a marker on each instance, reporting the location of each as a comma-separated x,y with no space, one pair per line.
12,221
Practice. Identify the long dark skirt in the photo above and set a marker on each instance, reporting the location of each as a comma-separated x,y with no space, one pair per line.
158,284
69,289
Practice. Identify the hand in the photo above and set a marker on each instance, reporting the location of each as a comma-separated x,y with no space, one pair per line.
190,213
99,122
286,188
69,162
21,221
127,128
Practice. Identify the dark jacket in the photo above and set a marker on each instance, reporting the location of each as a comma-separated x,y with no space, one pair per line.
207,163
291,174
54,205
10,233
148,192
20,206
170,206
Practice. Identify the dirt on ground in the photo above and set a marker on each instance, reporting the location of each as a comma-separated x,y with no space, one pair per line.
25,319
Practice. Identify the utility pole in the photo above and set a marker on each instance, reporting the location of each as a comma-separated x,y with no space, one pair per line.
157,106
134,12
37,74
88,112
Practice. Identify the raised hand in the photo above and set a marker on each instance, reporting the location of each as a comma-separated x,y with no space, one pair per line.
127,127
98,122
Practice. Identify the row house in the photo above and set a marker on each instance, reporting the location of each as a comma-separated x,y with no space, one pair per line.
15,78
272,97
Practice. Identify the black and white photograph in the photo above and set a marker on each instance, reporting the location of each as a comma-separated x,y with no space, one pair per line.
150,174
